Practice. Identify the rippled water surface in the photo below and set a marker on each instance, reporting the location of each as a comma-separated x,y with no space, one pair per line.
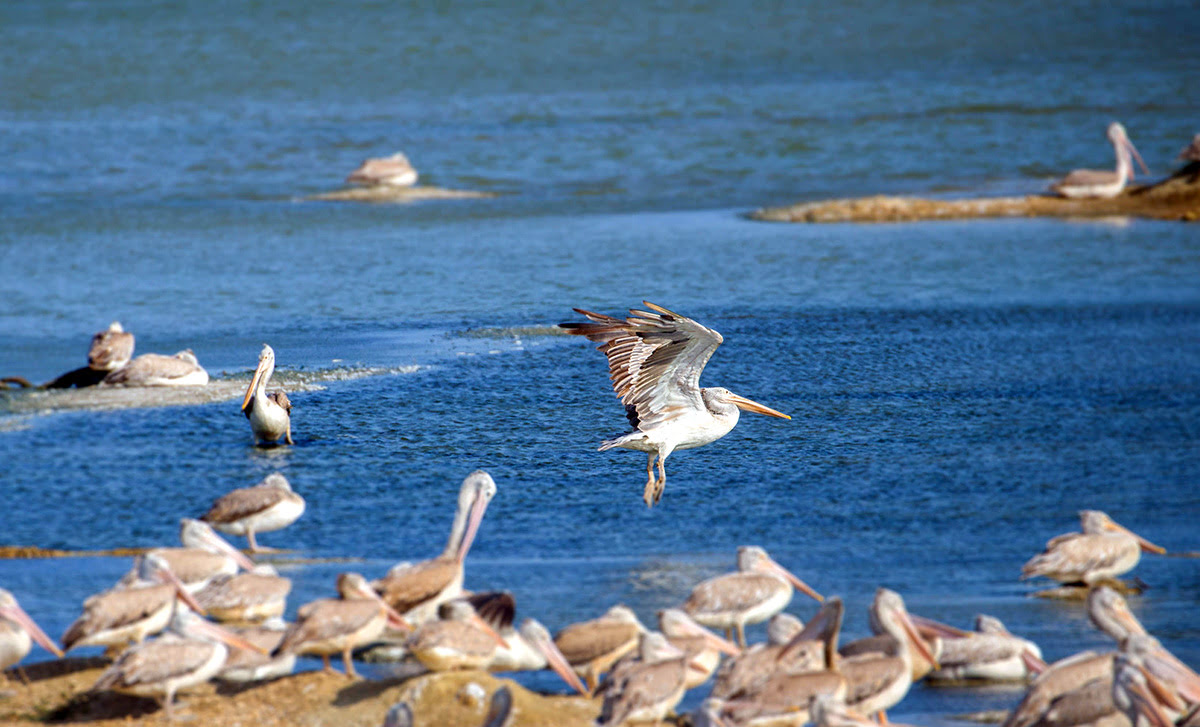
959,390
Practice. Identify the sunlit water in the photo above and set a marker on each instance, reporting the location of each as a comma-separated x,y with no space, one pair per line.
959,390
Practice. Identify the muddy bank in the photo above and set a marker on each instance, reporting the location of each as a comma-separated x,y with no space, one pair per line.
57,694
1175,198
396,194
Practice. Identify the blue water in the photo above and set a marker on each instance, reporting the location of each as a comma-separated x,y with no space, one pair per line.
959,390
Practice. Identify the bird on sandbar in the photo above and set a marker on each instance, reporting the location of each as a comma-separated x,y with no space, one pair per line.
111,348
1103,551
270,415
154,369
655,360
270,505
1103,184
391,171
592,647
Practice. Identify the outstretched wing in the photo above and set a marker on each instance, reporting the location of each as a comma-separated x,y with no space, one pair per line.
654,360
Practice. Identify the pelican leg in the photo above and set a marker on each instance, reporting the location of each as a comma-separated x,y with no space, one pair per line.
648,494
881,717
348,664
328,668
590,683
741,634
169,703
661,484
289,433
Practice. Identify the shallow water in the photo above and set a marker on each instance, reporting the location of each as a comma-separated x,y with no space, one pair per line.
959,390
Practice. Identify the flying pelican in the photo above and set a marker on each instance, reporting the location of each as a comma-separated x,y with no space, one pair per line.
270,415
990,653
1092,183
18,632
592,647
133,610
111,348
152,369
204,555
192,652
269,505
654,361
758,590
393,171
339,625
460,639
417,590
246,598
1104,550
648,688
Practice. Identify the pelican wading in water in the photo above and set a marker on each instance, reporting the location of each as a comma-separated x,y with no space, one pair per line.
654,361
1102,184
270,415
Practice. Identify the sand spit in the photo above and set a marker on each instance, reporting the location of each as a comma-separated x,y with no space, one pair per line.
385,193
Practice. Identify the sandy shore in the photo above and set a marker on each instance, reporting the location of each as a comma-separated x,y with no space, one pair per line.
57,694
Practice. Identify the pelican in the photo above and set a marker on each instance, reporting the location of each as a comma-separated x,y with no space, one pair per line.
417,590
393,171
1109,612
132,611
18,632
758,590
1140,698
246,598
592,647
269,505
804,650
1097,184
990,653
339,625
204,555
243,666
783,700
876,682
460,639
1175,680
702,647
152,369
647,689
1191,152
827,710
1104,550
191,653
111,348
655,361
270,415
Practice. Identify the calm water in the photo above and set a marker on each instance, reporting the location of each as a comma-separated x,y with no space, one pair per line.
960,390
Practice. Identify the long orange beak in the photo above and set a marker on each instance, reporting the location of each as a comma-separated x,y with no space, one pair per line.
17,614
556,661
477,509
258,372
795,581
1144,544
747,405
228,637
918,643
929,628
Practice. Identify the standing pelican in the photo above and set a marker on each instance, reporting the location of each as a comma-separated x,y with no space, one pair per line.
339,625
152,369
877,683
758,590
654,361
269,505
647,689
1092,183
417,590
204,555
1104,550
270,415
111,348
18,632
191,653
592,647
702,647
392,171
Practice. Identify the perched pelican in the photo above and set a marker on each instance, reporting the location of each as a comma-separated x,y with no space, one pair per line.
417,590
654,361
1104,550
647,689
246,598
111,348
702,647
990,653
251,666
786,652
18,632
269,505
877,682
1191,152
132,611
152,369
758,590
339,625
1092,183
393,171
592,647
204,555
190,654
460,639
270,415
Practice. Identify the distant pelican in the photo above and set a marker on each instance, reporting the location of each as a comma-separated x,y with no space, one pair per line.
269,505
417,590
758,590
592,647
204,555
18,632
111,348
270,415
1104,550
1091,183
190,654
246,598
989,653
654,361
152,369
393,171
340,625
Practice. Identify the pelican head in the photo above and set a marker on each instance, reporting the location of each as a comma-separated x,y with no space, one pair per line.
716,398
1095,522
476,492
1110,613
1124,147
153,568
276,479
353,587
752,558
782,627
676,624
536,634
10,610
262,374
199,534
888,609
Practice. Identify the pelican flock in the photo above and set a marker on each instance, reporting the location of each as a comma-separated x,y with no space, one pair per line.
655,360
